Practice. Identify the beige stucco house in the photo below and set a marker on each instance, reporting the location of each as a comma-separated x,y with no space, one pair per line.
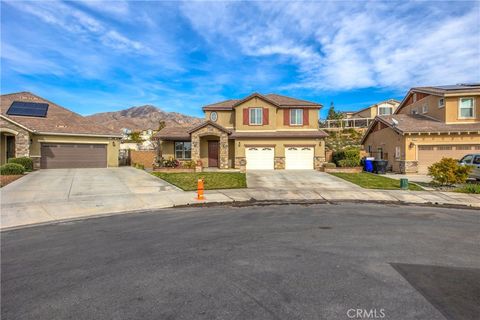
382,108
54,137
260,131
430,123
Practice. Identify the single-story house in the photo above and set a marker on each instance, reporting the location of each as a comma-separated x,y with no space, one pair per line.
261,131
54,137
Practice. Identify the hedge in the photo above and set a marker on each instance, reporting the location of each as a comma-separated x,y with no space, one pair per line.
26,162
349,157
12,169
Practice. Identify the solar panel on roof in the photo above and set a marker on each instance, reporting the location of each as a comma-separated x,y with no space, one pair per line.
29,109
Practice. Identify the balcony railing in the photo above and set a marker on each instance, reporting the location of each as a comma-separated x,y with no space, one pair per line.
345,123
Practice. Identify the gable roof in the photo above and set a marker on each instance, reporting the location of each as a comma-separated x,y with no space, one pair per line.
393,102
173,134
209,123
473,88
410,123
58,120
275,99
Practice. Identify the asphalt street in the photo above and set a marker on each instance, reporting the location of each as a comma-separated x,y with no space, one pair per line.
325,261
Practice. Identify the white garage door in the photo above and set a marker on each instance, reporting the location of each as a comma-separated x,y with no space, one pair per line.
259,158
429,154
298,158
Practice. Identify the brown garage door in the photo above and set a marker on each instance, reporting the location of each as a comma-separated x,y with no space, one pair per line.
73,155
429,154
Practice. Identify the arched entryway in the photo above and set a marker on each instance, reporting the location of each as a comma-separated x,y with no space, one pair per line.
7,140
210,145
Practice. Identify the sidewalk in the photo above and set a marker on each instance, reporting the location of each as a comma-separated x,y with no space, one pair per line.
418,197
13,215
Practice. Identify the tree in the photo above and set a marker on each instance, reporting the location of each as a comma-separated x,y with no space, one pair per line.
332,114
161,125
135,136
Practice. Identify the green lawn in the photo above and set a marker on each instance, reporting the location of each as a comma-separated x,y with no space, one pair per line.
213,180
373,181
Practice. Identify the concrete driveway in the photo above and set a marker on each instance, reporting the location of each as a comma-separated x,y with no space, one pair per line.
301,180
59,194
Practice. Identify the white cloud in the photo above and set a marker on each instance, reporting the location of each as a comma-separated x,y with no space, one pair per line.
343,46
116,8
17,60
78,22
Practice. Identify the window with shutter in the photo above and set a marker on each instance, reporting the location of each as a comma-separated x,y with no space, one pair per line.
245,116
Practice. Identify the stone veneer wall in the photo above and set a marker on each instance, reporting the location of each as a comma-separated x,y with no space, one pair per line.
22,139
318,162
279,163
408,166
223,144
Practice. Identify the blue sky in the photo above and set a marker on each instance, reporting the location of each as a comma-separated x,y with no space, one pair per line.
93,56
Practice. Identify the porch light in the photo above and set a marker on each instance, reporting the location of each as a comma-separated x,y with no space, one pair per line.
239,143
411,145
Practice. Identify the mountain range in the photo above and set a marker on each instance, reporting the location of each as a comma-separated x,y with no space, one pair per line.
142,118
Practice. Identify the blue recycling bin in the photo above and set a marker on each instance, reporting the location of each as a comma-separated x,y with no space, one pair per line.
368,164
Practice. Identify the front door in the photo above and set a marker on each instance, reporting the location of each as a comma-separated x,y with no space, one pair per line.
213,153
10,147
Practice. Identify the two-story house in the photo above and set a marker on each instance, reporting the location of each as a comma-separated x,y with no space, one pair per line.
429,124
382,108
262,131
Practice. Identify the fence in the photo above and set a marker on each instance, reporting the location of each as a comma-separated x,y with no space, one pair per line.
355,123
143,157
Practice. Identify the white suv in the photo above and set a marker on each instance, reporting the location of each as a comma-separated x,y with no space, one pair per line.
474,161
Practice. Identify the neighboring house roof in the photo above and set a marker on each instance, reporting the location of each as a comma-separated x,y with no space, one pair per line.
211,123
173,133
456,88
410,123
57,121
472,88
275,99
393,102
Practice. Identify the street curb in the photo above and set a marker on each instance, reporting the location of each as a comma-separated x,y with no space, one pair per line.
242,204
254,202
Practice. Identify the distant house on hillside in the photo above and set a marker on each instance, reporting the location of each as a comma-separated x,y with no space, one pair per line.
382,108
361,119
142,141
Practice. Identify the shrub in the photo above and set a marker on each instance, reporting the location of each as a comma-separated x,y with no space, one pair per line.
448,171
348,163
171,163
26,162
189,164
140,166
12,169
329,165
349,157
470,188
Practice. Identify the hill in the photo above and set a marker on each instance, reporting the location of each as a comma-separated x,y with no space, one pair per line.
142,118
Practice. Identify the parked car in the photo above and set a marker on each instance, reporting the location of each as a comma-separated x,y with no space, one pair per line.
474,161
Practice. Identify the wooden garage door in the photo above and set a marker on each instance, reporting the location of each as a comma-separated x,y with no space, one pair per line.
429,154
73,155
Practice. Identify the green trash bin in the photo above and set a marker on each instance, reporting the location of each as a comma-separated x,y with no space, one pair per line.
404,183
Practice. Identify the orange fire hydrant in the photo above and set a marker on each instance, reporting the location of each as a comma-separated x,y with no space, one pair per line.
200,189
